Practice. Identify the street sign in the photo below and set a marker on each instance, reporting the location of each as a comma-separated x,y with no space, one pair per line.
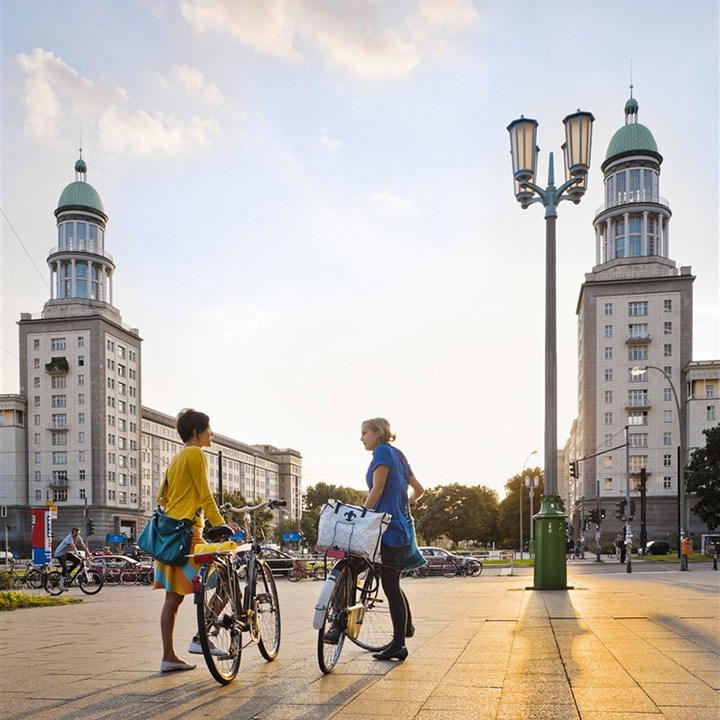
291,537
117,538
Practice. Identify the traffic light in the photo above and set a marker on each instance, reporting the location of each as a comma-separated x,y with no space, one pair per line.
90,523
602,515
593,516
574,469
620,510
632,510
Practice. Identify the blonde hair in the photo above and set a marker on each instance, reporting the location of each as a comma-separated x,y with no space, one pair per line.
382,426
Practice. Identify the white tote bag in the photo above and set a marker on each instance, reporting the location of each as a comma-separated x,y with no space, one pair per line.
352,529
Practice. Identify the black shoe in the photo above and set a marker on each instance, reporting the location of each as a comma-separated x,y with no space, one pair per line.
391,654
332,636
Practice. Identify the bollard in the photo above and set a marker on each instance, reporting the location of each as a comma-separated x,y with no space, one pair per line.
715,560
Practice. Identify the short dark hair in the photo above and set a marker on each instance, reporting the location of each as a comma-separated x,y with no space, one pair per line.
75,529
189,422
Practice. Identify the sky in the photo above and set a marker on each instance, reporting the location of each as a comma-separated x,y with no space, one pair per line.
311,203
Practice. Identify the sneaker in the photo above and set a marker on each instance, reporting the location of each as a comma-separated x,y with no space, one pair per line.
196,649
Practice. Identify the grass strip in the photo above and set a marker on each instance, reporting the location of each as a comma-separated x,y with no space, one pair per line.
12,600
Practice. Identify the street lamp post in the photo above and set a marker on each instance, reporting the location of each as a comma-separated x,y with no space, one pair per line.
521,494
531,484
550,559
639,370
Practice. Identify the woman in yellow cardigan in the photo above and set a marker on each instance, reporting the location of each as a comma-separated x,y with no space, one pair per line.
185,491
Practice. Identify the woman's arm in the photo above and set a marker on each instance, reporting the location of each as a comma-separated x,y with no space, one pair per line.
380,474
198,470
417,491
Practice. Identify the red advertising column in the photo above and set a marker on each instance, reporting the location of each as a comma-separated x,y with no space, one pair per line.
42,534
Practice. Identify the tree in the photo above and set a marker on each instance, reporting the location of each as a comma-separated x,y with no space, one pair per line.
703,479
509,516
318,495
262,519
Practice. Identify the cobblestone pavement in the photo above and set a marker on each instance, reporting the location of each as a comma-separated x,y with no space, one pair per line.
644,646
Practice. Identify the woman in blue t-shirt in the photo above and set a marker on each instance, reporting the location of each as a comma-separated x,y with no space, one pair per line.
388,478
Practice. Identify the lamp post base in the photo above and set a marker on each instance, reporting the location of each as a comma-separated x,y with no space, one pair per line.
550,554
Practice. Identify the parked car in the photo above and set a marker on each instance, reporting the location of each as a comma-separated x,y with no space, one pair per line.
280,562
442,562
657,547
105,562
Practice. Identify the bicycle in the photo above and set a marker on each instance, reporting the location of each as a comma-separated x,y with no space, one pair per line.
142,575
307,569
224,609
33,577
353,605
89,581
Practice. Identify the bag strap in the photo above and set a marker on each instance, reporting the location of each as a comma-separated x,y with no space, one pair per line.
164,485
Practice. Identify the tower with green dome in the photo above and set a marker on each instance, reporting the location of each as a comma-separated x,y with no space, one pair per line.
635,308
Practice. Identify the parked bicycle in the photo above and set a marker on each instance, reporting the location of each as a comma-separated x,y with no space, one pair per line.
137,575
307,569
33,577
225,609
88,580
352,604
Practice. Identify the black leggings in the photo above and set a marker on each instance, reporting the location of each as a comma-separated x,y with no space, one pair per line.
393,561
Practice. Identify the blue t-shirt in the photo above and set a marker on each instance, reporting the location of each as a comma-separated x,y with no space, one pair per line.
394,498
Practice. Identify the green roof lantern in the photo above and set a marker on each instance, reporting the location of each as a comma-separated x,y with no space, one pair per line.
80,194
632,138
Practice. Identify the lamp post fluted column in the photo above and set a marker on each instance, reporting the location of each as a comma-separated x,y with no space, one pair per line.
550,557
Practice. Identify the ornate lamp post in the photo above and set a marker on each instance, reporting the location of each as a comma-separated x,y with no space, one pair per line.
550,558
520,491
531,484
639,370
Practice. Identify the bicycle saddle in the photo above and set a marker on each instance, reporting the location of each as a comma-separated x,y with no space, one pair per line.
219,532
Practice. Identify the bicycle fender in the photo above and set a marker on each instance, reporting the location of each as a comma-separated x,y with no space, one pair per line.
322,602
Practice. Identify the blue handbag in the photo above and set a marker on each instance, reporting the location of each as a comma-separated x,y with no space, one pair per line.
414,558
167,539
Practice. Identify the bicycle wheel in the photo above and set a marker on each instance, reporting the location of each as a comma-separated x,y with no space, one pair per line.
331,635
35,579
218,628
448,569
146,576
267,613
320,572
294,575
128,576
376,631
90,581
54,583
112,576
473,568
423,571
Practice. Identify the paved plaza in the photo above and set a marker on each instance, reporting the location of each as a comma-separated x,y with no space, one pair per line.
644,646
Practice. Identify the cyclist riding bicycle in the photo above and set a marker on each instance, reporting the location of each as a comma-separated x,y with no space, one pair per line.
67,552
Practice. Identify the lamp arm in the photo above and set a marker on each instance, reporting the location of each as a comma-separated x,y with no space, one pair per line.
558,193
536,189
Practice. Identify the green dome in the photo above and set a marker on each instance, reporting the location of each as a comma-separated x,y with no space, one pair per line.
81,194
631,138
81,166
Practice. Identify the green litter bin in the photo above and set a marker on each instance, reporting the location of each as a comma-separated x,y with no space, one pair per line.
550,558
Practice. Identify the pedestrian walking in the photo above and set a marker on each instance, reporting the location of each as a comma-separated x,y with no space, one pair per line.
185,490
394,489
620,547
570,548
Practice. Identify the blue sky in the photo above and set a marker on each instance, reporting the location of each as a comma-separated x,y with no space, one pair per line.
311,206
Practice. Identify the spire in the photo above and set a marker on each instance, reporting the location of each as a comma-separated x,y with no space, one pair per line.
80,169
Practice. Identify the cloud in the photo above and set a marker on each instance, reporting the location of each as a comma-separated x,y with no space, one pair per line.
354,36
56,95
328,142
391,204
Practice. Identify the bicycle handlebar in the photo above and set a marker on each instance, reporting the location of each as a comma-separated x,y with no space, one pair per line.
227,507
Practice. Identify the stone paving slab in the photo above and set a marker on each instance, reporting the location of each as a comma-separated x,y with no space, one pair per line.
644,646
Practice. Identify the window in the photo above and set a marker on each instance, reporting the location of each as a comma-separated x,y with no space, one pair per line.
121,406
59,401
668,328
36,344
608,440
36,419
58,382
111,420
668,370
81,380
667,350
711,412
111,439
81,456
667,460
667,483
638,440
36,401
637,462
637,309
81,475
36,381
608,396
608,331
36,363
59,458
111,384
122,478
667,394
59,438
37,457
38,494
710,391
608,418
121,351
81,418
59,495
121,370
122,442
642,377
57,344
608,353
81,398
667,304
667,438
638,330
608,374
123,497
80,360
111,458
37,438
81,437
667,416
111,346
37,476
82,493
111,364
81,341
637,398
608,461
121,388
122,424
637,418
638,352
111,402
132,355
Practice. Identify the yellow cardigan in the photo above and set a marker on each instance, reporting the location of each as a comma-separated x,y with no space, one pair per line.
187,488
